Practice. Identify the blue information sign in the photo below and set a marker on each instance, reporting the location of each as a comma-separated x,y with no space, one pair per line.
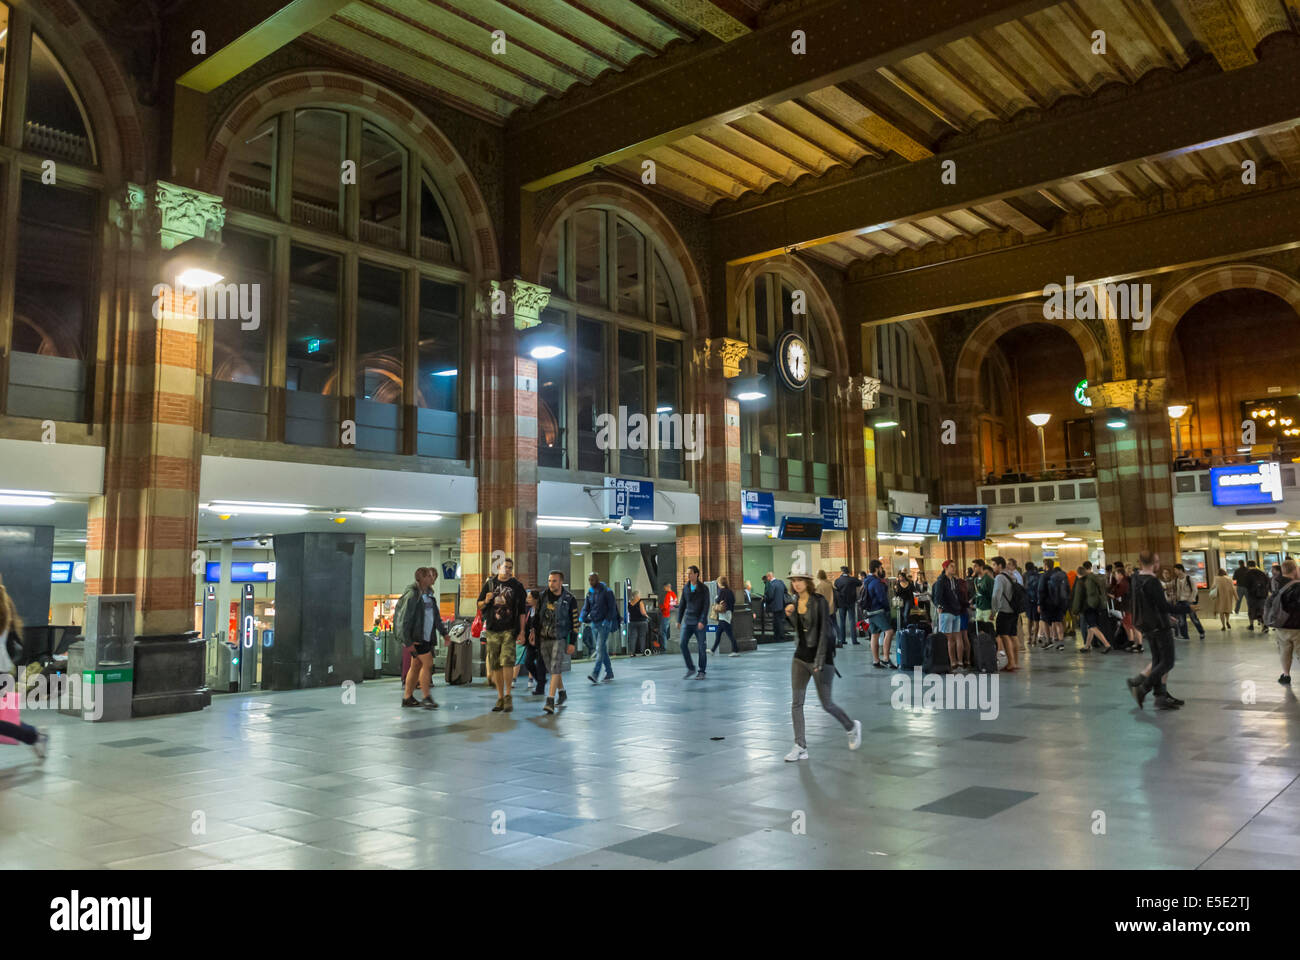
1245,484
835,513
963,523
632,498
757,508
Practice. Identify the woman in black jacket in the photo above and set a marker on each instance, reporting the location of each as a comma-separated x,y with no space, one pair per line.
814,658
722,611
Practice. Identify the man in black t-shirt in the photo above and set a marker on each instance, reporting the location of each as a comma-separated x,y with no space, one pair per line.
1152,614
503,604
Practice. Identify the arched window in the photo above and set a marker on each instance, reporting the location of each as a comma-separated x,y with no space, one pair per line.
616,296
51,217
341,222
904,454
787,438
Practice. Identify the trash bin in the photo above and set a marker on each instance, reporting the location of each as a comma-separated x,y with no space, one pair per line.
108,657
372,657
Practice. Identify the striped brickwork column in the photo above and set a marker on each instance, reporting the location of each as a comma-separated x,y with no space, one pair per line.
959,467
506,522
860,544
1134,484
142,531
717,473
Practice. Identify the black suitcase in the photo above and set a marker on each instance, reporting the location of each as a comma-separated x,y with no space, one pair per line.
911,647
936,659
460,665
984,650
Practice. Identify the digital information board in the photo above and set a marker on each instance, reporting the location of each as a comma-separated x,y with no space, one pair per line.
963,523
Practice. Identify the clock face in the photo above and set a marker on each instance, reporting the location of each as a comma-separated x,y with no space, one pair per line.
794,361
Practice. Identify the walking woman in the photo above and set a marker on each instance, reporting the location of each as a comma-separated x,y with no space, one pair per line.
814,659
722,611
11,631
638,624
1223,592
528,655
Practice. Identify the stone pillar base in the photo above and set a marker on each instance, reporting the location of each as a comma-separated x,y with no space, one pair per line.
169,675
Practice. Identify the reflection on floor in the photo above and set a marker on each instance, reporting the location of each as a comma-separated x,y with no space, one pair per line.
655,771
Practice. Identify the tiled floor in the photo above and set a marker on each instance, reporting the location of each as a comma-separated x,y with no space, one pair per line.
652,772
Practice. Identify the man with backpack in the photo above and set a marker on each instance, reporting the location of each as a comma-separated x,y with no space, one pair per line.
875,601
1089,606
774,597
1283,614
600,612
846,594
1007,597
417,621
1153,615
1032,579
948,602
1053,601
1256,583
1185,601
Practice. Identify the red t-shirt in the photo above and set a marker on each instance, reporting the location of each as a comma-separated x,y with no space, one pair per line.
669,601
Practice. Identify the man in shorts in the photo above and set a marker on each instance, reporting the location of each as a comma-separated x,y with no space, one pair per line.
1051,608
558,611
502,601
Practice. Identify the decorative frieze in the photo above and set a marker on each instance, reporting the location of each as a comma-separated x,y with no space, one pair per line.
861,389
1127,394
524,301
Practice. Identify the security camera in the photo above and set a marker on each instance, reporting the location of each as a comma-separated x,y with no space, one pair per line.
625,522
392,551
263,541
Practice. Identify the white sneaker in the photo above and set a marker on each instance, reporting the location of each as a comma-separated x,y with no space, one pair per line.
42,744
855,735
798,753
733,654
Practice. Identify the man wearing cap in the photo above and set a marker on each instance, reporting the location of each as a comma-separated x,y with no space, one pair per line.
814,659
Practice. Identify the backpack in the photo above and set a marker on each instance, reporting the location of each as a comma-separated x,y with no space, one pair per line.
1018,596
1061,587
1277,615
1092,589
1259,587
400,615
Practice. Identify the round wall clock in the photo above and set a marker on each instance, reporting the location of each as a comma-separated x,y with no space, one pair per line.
793,361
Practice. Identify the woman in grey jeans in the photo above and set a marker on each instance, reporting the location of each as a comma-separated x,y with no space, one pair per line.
814,658
638,624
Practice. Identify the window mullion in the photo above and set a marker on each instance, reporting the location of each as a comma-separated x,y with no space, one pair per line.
18,58
282,183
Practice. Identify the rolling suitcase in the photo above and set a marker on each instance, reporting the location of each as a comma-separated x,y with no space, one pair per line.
984,648
911,647
935,658
460,665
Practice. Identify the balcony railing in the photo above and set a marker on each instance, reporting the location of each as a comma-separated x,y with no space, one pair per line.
61,144
246,196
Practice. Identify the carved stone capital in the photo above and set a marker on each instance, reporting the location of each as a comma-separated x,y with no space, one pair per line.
182,213
523,301
1127,394
861,389
722,353
128,207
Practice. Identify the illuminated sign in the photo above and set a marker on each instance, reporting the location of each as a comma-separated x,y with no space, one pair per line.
963,523
1081,395
313,346
800,528
1246,484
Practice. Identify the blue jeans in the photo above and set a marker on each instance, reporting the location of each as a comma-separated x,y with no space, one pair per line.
600,632
702,641
845,625
1183,610
665,624
724,626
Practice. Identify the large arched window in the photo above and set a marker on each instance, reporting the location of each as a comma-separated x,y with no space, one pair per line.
615,293
904,454
787,439
363,287
51,209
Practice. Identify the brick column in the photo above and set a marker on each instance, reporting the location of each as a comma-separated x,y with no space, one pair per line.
507,491
717,360
860,544
959,470
142,530
1134,489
